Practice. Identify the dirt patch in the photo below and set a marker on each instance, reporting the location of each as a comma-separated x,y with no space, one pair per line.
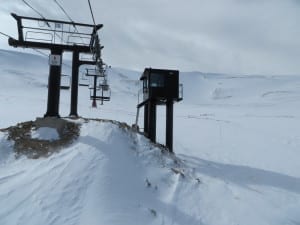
25,144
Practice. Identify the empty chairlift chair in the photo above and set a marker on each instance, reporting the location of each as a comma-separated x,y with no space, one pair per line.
99,90
102,92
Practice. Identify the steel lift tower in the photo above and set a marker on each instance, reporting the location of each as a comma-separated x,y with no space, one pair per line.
58,37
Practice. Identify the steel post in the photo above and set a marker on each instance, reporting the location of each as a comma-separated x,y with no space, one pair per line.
152,121
74,85
54,86
169,125
146,119
95,92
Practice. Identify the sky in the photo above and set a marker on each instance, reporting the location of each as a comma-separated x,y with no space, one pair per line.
221,36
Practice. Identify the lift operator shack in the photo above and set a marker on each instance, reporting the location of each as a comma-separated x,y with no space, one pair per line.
160,87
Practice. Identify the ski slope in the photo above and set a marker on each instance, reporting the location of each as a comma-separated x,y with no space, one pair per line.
236,139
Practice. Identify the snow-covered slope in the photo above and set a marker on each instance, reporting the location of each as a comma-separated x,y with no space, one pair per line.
236,138
109,176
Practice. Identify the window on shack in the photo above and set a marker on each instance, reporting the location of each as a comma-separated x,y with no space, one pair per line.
157,80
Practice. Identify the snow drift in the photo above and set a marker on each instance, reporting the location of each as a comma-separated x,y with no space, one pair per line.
110,175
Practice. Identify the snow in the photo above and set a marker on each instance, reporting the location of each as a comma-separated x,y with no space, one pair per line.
236,140
45,133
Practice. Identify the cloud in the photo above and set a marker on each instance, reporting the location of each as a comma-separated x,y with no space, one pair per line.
228,36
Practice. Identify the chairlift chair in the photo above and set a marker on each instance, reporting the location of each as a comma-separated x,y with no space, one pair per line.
104,85
103,93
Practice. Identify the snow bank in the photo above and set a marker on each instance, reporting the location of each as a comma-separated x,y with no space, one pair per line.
109,176
112,175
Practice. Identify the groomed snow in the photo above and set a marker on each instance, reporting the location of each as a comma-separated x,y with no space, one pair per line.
236,140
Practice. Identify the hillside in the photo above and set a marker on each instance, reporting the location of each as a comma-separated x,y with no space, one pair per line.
236,139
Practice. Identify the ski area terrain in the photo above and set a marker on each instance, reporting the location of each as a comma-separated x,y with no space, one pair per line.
236,144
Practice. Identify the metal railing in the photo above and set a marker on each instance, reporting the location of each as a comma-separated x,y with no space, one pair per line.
55,31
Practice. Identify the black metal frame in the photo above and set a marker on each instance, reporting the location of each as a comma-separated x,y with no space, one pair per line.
165,94
58,49
69,46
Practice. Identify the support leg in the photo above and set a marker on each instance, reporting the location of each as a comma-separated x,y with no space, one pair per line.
74,86
169,125
54,86
146,119
94,104
152,121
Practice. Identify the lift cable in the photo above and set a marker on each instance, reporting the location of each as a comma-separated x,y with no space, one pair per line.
67,15
40,52
6,35
62,8
41,15
71,20
92,12
37,12
97,48
36,50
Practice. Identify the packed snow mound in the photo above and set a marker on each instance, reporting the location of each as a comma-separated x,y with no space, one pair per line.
110,175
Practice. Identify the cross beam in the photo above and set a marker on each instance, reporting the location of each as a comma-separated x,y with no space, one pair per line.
48,46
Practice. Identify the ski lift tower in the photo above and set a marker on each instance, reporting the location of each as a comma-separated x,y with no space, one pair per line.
160,87
58,37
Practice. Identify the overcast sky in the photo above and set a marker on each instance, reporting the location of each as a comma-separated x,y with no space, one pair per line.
224,36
